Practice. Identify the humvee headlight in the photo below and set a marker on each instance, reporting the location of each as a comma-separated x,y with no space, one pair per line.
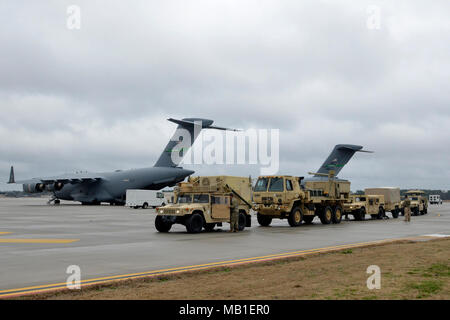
178,211
161,211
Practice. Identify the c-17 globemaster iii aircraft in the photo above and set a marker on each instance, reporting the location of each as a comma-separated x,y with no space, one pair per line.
93,188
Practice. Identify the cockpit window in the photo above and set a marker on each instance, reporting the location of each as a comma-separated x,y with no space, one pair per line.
261,184
276,184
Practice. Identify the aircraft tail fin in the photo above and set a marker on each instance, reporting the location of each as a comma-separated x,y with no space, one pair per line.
11,176
177,148
339,157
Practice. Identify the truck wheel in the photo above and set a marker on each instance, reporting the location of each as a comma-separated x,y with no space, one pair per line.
194,223
395,213
308,219
425,210
416,211
263,220
242,221
362,214
402,211
161,225
380,213
210,227
295,217
326,216
337,215
145,205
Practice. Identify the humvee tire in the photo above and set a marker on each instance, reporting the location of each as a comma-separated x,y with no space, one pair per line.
425,211
161,225
362,214
337,215
416,211
194,223
209,226
308,219
242,221
395,213
295,217
380,213
326,215
263,220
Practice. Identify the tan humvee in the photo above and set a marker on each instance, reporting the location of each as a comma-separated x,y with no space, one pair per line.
204,202
419,202
391,198
295,199
360,205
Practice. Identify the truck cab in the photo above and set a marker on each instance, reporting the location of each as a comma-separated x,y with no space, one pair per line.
298,200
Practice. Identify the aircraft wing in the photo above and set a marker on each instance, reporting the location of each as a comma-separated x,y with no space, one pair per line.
71,178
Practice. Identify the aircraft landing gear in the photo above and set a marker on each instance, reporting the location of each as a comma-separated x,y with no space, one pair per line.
55,201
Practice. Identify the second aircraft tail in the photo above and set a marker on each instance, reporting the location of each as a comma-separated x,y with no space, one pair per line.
339,157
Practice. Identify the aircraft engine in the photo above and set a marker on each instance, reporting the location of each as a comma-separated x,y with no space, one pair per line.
54,187
33,187
58,186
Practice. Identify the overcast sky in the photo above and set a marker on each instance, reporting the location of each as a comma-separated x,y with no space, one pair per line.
97,98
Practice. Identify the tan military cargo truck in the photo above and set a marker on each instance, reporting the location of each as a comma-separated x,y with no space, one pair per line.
204,202
297,200
391,198
360,205
419,202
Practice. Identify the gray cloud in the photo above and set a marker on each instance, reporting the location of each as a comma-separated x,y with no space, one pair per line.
97,98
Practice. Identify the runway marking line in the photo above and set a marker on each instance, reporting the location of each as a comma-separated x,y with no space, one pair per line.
89,282
34,240
38,240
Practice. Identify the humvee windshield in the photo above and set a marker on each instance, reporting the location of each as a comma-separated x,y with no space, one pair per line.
261,184
414,198
185,198
196,198
201,198
276,184
360,199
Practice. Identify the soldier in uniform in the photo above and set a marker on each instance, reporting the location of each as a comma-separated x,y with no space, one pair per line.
234,213
407,209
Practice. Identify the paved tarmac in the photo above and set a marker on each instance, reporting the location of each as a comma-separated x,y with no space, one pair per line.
38,242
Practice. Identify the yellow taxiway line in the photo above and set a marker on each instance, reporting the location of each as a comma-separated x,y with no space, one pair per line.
89,282
38,240
34,240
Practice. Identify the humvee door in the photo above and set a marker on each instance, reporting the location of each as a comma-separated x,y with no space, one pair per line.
220,207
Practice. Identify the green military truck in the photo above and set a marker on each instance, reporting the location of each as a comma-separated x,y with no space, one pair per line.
419,202
204,202
297,200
